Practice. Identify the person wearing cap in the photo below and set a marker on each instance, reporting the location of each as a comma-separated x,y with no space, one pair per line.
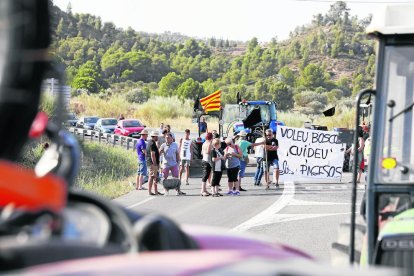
233,155
153,160
142,163
244,145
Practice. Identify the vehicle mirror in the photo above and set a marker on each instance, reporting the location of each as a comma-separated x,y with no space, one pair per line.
39,125
30,192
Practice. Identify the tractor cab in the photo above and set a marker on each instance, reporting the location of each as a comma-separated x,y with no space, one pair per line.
389,198
234,114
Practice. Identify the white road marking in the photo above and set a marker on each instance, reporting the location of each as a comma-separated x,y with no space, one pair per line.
291,217
271,211
271,216
140,203
298,202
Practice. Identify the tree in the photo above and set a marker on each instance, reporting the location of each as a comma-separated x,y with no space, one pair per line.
136,95
252,44
287,76
309,102
282,95
87,78
209,86
189,89
337,12
312,76
169,84
260,90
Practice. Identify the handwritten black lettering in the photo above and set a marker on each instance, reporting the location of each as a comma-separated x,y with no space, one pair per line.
324,138
285,169
308,152
326,171
295,135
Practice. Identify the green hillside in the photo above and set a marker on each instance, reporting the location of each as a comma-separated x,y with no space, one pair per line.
322,63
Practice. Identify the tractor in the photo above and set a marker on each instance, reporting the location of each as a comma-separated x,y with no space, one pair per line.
234,114
384,233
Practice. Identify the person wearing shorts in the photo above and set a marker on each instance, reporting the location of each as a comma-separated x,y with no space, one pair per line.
171,158
206,164
272,145
186,154
233,155
244,145
153,160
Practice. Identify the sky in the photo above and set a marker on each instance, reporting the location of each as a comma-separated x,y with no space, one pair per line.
226,19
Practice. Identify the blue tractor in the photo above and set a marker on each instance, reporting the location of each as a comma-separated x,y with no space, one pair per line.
234,114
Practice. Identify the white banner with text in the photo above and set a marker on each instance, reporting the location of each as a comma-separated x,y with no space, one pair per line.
309,154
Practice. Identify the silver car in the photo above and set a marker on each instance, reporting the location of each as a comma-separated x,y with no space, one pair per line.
106,125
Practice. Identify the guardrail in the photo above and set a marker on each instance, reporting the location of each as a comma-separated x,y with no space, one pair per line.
107,138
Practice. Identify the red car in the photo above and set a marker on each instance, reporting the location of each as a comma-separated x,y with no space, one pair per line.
129,127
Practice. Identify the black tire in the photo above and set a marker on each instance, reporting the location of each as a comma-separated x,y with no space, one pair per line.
340,248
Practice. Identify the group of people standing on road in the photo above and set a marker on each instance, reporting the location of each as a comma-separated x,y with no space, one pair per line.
161,155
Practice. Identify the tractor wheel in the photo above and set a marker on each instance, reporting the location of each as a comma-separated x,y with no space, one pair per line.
340,249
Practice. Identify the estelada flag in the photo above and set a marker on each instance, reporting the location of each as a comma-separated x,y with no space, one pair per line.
211,102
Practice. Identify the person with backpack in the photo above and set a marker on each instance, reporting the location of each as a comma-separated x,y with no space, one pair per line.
233,155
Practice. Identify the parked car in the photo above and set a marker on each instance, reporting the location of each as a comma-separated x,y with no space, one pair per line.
129,127
87,122
70,119
106,125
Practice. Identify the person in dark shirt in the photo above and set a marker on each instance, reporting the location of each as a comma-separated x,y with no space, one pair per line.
272,145
203,125
152,158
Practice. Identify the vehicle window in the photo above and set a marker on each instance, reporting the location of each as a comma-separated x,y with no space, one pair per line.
264,111
132,124
71,116
91,120
398,137
109,122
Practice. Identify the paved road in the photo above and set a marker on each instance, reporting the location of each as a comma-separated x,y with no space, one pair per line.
303,215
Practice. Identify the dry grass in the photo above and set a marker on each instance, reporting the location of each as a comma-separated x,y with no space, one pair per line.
344,118
177,113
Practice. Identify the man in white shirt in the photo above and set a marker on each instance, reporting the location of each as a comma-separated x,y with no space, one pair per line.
186,155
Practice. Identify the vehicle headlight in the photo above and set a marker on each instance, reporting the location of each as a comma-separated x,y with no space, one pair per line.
87,127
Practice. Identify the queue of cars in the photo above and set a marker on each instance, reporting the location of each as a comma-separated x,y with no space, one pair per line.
126,127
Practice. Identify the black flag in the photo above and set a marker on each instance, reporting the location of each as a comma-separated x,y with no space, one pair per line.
329,112
369,99
253,118
238,98
197,104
